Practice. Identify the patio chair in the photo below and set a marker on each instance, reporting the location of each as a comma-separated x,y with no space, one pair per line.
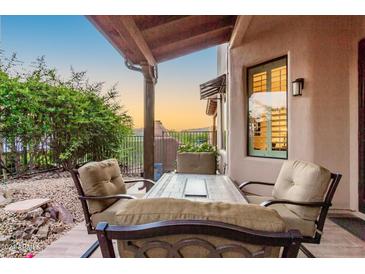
174,228
302,195
101,190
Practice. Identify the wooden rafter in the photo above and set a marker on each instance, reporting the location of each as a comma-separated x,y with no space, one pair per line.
185,28
138,39
240,29
156,39
149,21
195,43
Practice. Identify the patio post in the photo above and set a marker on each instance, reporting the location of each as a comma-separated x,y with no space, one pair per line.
149,120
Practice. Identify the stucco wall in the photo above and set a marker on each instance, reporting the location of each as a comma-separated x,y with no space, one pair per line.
322,123
222,63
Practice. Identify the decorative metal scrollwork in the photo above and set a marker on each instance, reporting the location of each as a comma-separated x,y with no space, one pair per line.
174,250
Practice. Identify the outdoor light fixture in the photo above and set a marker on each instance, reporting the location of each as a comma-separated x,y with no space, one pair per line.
297,87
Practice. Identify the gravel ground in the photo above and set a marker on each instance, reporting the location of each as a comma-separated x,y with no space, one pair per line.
57,187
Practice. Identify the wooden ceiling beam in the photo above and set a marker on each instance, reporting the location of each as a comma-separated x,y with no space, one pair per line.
149,21
135,34
184,28
240,29
192,44
171,36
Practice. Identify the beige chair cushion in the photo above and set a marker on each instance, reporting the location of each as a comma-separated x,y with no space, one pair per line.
304,182
196,163
108,215
133,212
293,221
101,179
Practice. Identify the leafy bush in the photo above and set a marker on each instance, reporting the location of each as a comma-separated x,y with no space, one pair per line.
197,148
75,118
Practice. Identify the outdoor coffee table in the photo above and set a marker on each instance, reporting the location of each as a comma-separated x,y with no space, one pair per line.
197,188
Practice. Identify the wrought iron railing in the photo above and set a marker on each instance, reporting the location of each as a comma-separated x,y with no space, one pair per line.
17,159
166,147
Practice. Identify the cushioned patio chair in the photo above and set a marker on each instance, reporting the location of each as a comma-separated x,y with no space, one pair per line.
302,195
101,190
167,227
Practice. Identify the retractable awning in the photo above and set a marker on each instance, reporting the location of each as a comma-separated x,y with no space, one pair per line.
213,87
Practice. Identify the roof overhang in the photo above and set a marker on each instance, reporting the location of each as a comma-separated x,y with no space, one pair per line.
154,39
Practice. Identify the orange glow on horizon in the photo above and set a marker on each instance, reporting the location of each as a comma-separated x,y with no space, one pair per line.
177,109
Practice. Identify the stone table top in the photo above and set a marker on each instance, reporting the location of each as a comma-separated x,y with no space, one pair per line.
197,188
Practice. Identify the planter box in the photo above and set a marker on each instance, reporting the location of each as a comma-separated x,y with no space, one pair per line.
196,162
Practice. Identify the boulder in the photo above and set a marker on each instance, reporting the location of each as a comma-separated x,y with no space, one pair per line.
4,201
28,232
51,212
43,232
18,234
4,240
63,214
58,228
2,198
39,221
35,213
9,193
26,205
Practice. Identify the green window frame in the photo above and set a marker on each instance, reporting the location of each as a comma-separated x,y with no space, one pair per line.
267,115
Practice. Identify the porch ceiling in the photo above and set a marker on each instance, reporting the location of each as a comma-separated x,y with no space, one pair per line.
154,39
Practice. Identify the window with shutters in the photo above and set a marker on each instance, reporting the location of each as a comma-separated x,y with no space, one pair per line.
267,109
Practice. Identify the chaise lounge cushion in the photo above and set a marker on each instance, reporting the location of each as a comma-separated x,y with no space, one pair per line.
101,179
304,182
293,221
133,212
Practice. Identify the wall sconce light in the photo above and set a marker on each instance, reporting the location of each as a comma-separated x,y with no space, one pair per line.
297,87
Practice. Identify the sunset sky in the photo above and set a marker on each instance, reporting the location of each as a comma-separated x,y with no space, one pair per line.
73,41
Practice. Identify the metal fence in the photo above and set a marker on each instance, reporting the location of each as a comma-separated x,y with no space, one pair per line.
131,156
17,160
166,147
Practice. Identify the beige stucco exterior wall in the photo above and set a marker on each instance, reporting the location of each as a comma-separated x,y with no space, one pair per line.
322,123
222,68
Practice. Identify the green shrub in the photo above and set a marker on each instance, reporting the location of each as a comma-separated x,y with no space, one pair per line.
197,148
76,118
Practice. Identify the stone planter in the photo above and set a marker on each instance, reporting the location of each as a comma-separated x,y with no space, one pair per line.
196,162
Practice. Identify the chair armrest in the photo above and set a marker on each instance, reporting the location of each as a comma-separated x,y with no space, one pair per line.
117,196
147,184
244,184
309,204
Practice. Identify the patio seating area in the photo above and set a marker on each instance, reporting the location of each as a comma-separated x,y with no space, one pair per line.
336,242
282,160
189,215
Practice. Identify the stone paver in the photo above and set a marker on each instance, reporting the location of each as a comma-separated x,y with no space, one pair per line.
26,205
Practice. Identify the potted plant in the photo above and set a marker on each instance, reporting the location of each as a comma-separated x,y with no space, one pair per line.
197,159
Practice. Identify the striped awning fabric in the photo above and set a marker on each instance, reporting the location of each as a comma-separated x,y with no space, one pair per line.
213,87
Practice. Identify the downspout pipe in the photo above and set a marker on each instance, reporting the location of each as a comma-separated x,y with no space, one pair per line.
153,69
131,66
